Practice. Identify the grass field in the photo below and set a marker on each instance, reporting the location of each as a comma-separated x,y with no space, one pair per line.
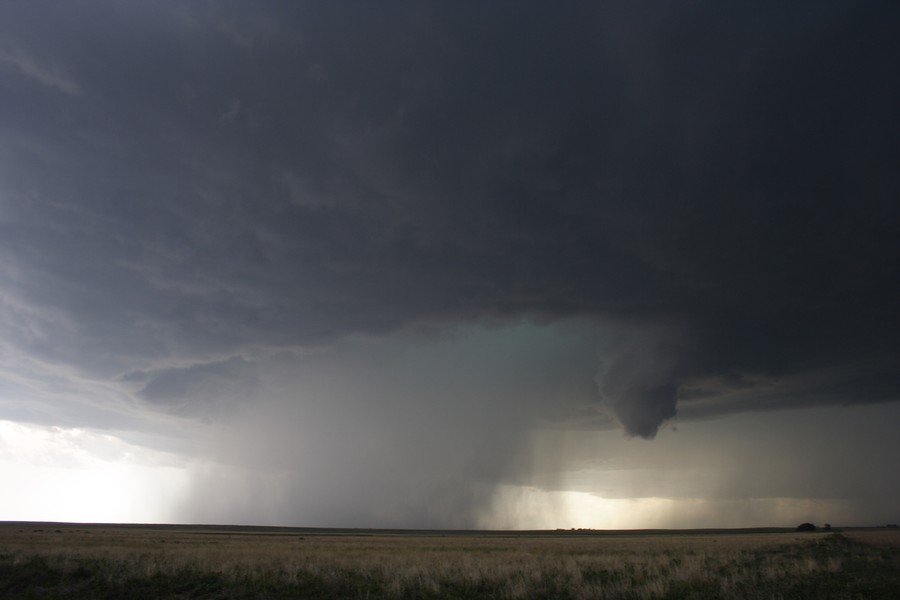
39,560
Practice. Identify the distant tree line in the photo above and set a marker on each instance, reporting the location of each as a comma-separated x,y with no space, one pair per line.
811,527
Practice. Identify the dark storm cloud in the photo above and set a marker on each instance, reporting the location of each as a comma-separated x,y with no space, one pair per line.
717,182
200,389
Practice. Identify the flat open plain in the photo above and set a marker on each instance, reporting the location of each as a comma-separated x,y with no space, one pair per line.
48,560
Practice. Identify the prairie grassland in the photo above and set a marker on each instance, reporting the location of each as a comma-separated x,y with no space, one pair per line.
58,561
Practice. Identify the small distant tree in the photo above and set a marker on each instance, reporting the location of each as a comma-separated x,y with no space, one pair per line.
806,527
827,527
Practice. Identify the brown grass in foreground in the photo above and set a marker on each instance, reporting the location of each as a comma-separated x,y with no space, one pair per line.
878,537
463,565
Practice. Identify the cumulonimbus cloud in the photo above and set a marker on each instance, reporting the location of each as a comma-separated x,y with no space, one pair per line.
727,205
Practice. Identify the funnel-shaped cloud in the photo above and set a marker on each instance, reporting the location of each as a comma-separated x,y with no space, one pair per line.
189,195
640,380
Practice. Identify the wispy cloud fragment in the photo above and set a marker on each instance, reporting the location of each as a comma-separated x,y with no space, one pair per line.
46,75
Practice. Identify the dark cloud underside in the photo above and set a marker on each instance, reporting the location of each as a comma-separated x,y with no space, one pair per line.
182,184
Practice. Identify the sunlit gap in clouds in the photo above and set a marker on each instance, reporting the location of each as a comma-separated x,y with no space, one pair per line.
494,427
533,508
76,475
709,473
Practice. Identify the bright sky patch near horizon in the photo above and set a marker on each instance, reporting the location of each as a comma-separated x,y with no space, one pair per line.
387,265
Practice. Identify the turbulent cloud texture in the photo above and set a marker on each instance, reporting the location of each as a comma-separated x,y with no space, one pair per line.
193,196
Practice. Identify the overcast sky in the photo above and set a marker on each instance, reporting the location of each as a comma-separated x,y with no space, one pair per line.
442,264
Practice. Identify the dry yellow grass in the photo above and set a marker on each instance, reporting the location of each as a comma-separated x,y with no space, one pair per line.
879,537
473,565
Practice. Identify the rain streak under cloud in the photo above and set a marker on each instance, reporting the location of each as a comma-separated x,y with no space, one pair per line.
435,265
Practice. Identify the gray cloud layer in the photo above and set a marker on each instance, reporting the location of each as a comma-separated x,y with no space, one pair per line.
188,189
